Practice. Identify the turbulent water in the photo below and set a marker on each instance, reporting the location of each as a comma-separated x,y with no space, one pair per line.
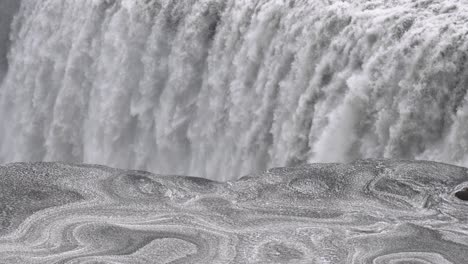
221,88
380,212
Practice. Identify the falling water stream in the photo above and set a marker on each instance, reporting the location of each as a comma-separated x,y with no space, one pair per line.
222,88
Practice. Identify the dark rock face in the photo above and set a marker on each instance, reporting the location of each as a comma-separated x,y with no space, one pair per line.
363,212
462,194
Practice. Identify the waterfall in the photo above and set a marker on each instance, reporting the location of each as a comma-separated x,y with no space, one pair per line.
7,10
213,87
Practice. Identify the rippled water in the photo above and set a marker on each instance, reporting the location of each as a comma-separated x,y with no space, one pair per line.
363,212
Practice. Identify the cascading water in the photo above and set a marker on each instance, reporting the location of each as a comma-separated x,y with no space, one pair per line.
212,87
7,10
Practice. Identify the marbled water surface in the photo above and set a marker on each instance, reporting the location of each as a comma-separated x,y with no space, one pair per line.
363,212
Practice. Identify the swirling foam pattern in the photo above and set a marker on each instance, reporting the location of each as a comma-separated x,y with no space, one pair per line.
364,212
